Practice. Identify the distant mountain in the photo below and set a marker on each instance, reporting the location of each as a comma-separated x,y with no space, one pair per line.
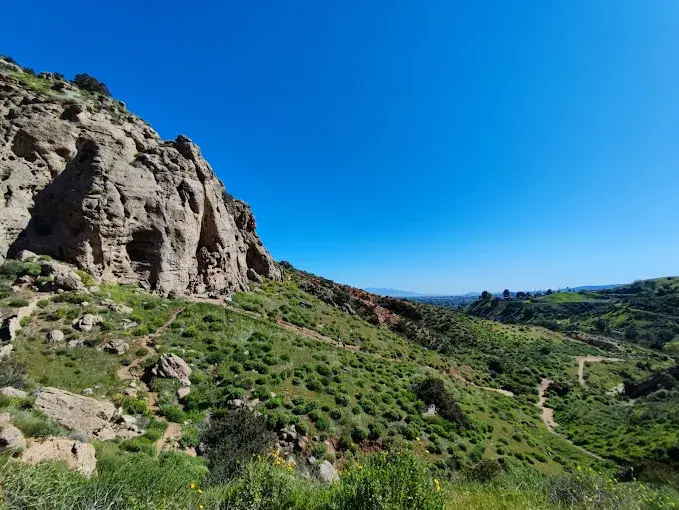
392,292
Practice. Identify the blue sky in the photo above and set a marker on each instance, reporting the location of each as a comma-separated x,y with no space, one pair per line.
433,146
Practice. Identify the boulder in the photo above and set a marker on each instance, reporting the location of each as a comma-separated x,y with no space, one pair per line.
55,335
76,342
64,277
6,351
25,255
253,276
326,472
183,392
5,419
11,438
116,346
87,322
77,412
88,392
10,326
76,455
8,391
171,366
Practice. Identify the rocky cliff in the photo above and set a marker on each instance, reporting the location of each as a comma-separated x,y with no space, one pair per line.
85,181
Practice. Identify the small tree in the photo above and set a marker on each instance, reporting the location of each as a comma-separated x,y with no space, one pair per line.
549,291
89,83
506,293
486,295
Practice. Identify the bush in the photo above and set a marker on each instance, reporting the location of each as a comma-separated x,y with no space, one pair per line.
13,373
18,303
485,470
89,83
231,439
433,391
396,479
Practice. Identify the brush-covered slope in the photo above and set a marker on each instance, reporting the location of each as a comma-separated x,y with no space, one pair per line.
644,312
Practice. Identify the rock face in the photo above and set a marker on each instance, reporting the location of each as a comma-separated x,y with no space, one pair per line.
77,456
76,412
85,181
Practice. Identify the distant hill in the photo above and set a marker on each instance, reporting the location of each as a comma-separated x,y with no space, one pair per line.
643,311
392,292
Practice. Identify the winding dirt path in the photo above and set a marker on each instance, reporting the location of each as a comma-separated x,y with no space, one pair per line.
173,432
589,359
459,377
548,418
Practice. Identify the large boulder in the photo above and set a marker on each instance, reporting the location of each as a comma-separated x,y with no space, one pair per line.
87,322
172,366
76,455
77,412
326,472
11,438
116,346
97,187
63,276
55,335
10,392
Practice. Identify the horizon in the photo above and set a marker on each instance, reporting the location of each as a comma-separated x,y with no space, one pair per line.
434,149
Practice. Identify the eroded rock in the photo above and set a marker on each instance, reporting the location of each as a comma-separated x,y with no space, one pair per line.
77,412
76,455
172,366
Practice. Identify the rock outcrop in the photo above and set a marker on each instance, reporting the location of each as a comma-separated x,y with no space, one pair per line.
86,182
76,412
76,455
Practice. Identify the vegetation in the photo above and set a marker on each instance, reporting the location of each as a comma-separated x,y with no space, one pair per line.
89,83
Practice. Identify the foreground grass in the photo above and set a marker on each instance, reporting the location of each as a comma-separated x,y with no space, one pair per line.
393,480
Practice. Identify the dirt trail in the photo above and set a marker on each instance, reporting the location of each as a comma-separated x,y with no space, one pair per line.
548,418
173,432
125,372
459,377
589,359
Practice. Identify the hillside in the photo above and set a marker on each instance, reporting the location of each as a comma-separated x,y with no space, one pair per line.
644,312
153,355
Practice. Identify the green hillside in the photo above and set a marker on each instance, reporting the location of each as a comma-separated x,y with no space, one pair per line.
644,312
351,373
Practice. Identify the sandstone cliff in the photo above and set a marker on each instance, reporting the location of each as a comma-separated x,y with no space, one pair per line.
87,182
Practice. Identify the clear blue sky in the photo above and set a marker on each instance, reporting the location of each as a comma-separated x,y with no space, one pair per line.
433,146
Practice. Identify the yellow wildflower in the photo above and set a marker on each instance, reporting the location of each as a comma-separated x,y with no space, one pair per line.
193,485
437,485
200,491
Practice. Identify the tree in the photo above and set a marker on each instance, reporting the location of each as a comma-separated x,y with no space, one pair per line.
506,293
486,295
89,83
520,295
549,291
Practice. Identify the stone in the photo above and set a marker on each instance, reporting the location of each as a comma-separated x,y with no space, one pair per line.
183,392
5,419
253,276
25,255
8,391
11,438
76,455
326,472
128,432
88,392
120,308
128,420
130,392
116,346
77,412
87,322
55,335
76,342
288,433
15,289
235,403
6,351
9,329
171,366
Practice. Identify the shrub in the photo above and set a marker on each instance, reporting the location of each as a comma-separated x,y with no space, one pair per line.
231,439
358,433
396,479
173,413
485,470
18,303
13,373
138,445
86,82
433,391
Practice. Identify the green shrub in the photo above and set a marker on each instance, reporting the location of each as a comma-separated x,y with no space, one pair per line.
13,373
173,412
231,439
90,84
138,445
18,303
